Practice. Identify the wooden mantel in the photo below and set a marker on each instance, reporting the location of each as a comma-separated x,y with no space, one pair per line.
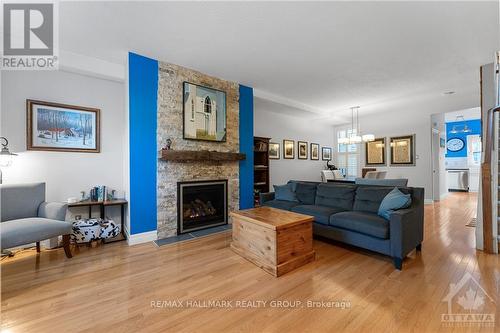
200,155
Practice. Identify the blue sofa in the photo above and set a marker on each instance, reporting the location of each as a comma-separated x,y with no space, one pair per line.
348,213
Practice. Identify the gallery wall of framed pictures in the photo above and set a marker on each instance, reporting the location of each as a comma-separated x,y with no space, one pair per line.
401,151
305,150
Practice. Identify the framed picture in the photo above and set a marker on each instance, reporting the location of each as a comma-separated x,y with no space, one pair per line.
375,152
302,150
403,150
326,153
442,143
274,150
204,113
62,127
314,151
288,149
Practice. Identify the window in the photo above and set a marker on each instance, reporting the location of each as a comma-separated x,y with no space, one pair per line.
192,109
208,105
348,155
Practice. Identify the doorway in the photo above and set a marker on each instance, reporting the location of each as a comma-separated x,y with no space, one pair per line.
455,152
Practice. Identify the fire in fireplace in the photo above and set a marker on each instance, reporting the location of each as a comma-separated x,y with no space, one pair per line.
201,204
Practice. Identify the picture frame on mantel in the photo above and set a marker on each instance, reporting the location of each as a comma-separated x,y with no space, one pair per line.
403,150
62,127
375,152
204,113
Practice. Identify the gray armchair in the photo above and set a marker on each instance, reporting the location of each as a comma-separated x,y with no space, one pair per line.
26,218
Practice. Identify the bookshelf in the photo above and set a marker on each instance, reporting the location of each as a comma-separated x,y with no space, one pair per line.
261,166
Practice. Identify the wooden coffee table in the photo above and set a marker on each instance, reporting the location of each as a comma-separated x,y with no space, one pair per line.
276,240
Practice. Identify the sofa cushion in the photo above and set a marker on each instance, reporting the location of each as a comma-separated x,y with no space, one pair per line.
29,230
394,200
368,198
306,192
321,213
335,195
285,192
280,204
366,223
399,182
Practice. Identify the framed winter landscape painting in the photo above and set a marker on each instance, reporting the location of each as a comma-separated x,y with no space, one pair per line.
204,112
61,127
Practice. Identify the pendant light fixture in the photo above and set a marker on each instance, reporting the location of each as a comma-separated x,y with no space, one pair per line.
457,128
355,136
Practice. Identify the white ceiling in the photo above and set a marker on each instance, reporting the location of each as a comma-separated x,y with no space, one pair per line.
323,56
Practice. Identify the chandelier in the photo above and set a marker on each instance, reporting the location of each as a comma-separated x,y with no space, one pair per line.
354,135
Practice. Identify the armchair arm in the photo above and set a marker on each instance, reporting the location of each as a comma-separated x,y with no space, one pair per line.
53,210
406,230
263,197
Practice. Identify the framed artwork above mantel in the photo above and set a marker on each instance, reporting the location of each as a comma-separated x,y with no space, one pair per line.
204,113
62,127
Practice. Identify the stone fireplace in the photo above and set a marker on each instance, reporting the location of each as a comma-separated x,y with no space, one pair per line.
201,204
170,126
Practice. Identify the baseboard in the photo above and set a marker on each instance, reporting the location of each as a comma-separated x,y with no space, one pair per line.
428,201
143,237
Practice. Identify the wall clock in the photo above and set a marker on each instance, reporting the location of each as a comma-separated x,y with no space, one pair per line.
455,144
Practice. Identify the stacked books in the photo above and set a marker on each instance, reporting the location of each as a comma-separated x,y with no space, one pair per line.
99,193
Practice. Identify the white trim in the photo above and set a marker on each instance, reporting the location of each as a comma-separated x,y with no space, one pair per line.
428,201
143,237
286,101
85,65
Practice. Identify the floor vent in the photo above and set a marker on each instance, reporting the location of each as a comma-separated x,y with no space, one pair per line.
472,222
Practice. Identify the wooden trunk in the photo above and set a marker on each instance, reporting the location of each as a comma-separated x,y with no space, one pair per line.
277,248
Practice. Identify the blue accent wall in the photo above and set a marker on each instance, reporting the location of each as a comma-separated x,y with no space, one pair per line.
475,127
246,147
143,93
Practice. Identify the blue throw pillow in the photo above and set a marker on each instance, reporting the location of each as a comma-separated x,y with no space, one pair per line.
285,192
394,200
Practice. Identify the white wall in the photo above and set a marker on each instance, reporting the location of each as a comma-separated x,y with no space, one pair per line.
66,174
396,124
278,126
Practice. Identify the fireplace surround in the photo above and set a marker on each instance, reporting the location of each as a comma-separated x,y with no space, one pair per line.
207,163
201,204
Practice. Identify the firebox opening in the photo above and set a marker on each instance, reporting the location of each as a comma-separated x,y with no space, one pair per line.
201,204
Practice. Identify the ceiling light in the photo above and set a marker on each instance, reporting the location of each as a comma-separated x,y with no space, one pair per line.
368,137
354,135
459,128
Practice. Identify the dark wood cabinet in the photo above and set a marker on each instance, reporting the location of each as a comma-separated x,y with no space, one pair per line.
261,166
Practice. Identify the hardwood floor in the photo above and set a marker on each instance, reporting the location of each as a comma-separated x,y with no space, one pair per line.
111,288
